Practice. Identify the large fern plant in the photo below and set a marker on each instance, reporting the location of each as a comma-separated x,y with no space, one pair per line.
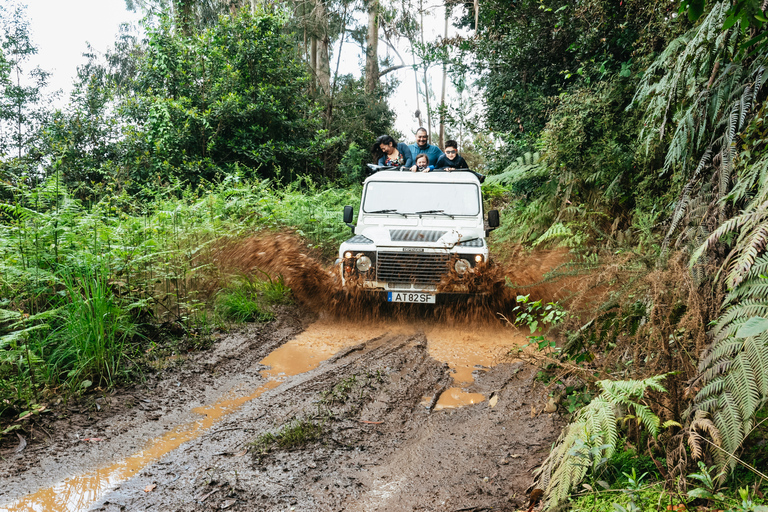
706,97
591,438
733,373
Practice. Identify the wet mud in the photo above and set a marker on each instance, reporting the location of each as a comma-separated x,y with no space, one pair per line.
421,408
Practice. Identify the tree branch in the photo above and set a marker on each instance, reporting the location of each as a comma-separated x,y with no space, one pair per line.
392,68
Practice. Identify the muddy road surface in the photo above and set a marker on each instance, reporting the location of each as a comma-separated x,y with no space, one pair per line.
309,413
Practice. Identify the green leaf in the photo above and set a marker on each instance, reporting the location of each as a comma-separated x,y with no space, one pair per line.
729,22
701,493
695,9
752,327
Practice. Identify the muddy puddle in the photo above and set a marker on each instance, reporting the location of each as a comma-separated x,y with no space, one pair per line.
465,349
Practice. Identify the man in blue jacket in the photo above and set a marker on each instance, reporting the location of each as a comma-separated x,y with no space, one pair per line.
422,146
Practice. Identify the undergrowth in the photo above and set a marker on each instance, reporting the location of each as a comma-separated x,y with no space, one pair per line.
85,287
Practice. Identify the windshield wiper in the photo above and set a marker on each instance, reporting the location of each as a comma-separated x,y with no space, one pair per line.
435,212
461,241
391,211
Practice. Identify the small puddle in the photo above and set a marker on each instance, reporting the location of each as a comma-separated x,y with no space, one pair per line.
464,348
467,349
301,354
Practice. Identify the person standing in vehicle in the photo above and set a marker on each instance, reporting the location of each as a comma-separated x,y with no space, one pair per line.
451,160
392,153
422,146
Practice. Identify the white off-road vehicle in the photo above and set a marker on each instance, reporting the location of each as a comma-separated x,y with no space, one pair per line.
419,236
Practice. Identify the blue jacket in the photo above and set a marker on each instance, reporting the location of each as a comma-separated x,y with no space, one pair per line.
402,148
433,152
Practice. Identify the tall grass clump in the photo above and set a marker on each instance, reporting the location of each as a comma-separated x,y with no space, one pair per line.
90,345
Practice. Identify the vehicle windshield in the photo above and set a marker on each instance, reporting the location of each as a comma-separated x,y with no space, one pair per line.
409,197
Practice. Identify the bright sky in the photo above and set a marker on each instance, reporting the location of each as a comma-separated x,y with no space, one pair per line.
61,30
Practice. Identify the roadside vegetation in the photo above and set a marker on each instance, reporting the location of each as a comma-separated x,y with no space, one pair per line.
630,134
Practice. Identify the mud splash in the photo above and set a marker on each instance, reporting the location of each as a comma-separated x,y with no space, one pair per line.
318,286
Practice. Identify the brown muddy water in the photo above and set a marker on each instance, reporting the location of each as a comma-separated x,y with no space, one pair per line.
465,349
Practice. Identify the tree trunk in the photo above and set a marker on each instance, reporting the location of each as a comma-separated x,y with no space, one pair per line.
372,49
441,137
322,61
417,114
184,16
426,82
313,61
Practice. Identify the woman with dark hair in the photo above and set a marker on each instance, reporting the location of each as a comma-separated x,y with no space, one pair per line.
391,153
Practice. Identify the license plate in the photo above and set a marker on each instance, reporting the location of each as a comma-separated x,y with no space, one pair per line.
421,298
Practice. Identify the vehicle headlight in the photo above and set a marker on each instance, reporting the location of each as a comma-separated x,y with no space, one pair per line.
478,258
461,266
363,264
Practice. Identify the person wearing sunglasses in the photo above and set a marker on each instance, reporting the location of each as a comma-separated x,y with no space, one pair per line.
451,160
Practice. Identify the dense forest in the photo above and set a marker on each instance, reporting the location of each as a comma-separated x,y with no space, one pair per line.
631,133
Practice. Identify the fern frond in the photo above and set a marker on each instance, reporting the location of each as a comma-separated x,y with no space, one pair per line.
748,251
733,371
593,436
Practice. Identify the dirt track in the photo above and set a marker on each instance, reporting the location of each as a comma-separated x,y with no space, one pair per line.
420,408
381,448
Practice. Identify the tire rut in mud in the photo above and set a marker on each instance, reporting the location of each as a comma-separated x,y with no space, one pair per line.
381,448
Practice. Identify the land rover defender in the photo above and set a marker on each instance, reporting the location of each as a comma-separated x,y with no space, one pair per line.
419,237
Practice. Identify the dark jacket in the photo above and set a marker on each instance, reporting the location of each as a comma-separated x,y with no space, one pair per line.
456,163
405,153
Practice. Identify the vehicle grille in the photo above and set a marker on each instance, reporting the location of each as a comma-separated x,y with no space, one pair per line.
406,267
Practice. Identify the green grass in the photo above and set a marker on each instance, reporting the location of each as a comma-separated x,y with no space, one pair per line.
249,300
297,433
90,346
154,260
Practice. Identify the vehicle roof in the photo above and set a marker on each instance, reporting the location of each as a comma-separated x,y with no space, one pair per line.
419,177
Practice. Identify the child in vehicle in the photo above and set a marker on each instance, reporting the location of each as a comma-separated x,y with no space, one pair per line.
422,163
451,160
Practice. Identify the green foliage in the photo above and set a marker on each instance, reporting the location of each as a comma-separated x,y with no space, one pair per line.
351,167
522,177
538,51
709,483
77,282
590,141
733,372
590,440
247,301
298,433
90,345
536,315
22,110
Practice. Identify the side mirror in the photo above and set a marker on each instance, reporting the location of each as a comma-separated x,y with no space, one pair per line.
349,214
493,219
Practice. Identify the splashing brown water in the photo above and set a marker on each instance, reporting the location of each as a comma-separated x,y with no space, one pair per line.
318,286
